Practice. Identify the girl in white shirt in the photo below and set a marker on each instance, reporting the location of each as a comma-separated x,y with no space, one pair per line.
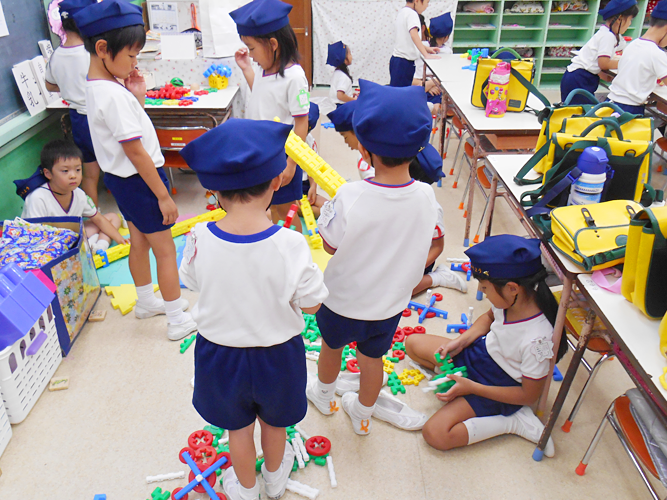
597,54
340,89
507,351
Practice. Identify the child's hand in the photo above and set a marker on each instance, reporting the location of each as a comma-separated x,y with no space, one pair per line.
288,173
169,210
432,50
120,240
452,348
136,84
312,194
242,58
463,387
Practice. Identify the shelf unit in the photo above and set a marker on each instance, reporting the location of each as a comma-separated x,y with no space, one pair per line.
538,31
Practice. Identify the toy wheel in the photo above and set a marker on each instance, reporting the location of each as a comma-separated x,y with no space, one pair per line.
318,446
221,496
438,297
399,337
190,451
199,488
228,464
200,438
430,314
205,457
173,494
420,329
353,366
399,354
407,313
407,331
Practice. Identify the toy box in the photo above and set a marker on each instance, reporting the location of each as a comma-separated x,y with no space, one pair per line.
76,280
30,352
5,429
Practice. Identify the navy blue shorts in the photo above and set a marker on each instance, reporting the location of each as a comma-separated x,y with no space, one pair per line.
305,187
484,370
373,338
429,269
434,99
635,110
235,385
81,135
402,72
291,192
578,79
137,202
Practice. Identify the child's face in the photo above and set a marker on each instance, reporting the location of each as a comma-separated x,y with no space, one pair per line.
497,299
65,176
351,140
123,64
625,23
421,5
348,58
261,52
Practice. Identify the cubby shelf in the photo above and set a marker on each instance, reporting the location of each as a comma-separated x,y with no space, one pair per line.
539,31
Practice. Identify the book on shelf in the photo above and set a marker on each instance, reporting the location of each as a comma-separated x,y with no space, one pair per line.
481,25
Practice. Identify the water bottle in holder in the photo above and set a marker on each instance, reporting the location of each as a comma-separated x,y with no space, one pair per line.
588,188
496,93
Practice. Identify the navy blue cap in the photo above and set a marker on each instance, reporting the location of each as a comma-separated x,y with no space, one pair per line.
506,256
261,17
660,10
430,162
615,7
392,121
341,117
68,8
108,15
313,115
337,54
230,156
442,26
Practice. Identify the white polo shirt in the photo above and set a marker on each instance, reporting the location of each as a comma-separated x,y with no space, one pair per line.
43,203
521,348
439,231
602,44
365,170
114,117
406,20
273,95
339,82
68,68
251,288
642,65
382,235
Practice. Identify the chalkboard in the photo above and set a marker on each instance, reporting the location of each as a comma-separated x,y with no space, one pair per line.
27,24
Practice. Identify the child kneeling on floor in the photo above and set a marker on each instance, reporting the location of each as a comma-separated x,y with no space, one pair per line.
254,279
507,350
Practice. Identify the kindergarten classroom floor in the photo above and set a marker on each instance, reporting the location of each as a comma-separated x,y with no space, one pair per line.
128,411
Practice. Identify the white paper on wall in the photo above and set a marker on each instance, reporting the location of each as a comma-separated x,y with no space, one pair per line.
4,31
219,35
178,46
163,17
45,48
39,70
29,88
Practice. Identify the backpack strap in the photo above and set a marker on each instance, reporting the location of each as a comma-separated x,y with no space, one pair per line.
541,206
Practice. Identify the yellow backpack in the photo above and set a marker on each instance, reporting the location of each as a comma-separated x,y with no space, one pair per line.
645,272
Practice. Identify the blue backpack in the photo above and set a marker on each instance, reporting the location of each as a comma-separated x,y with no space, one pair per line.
26,186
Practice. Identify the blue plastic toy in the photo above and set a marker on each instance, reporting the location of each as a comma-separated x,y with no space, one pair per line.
328,125
200,477
219,69
427,309
462,326
461,269
558,376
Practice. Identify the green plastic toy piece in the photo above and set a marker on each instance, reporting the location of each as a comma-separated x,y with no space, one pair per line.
218,472
187,343
447,368
258,464
158,494
395,384
295,466
321,461
311,331
176,82
398,346
313,348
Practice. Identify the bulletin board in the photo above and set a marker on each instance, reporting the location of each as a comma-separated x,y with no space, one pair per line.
26,21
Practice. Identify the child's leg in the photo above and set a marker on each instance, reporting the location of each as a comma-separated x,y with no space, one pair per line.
273,445
425,283
321,200
91,176
279,212
115,222
328,365
90,229
421,348
164,250
445,429
140,264
242,451
370,384
322,390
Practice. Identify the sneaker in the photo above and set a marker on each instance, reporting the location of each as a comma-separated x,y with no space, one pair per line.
181,330
277,488
528,426
397,413
348,381
362,426
141,312
442,276
326,407
232,487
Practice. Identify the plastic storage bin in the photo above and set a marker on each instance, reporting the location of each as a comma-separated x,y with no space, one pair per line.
5,430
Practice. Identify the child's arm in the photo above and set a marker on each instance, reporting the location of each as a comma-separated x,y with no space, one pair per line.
51,87
107,228
136,84
524,395
425,51
300,129
437,246
142,161
310,290
312,191
478,329
342,96
607,63
242,59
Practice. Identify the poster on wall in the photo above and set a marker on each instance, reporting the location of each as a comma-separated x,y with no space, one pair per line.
219,35
4,31
29,88
163,17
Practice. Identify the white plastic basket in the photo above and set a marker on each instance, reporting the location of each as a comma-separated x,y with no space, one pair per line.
27,367
5,429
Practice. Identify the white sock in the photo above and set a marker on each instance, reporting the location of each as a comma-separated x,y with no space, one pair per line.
175,314
326,390
272,477
146,297
482,428
249,493
102,245
93,239
363,412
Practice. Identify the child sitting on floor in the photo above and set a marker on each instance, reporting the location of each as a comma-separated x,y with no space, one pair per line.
60,195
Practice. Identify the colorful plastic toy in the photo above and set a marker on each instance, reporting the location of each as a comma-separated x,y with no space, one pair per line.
318,446
424,311
290,216
442,383
124,297
395,384
218,75
187,343
158,494
314,237
462,327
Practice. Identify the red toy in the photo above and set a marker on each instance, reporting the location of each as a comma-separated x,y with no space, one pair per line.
353,366
318,446
168,92
406,313
204,455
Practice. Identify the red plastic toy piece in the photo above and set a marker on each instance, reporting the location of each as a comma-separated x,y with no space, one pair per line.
399,337
399,354
199,488
229,460
290,215
420,329
353,345
407,331
184,497
429,314
205,457
438,297
185,102
353,366
318,446
200,438
190,451
406,313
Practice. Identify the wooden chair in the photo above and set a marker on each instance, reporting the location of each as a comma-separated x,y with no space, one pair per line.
172,140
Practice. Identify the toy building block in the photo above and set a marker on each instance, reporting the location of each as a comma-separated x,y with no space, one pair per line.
158,494
104,258
187,343
200,477
100,497
395,384
411,377
425,310
97,315
332,473
442,382
314,237
290,216
302,489
464,325
124,297
59,384
388,365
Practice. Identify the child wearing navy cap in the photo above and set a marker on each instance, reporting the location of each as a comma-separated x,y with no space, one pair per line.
597,55
379,233
278,86
439,32
340,88
128,152
341,117
66,73
643,63
254,279
427,168
507,350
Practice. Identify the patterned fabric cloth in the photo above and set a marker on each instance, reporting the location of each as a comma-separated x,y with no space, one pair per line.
31,246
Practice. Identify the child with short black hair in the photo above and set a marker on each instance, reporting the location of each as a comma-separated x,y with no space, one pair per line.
128,151
249,366
60,195
66,73
340,88
439,32
342,121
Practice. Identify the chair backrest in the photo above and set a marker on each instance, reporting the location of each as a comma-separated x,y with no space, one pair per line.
176,138
632,433
457,122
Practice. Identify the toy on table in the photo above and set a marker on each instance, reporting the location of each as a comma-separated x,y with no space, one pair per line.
442,383
218,75
496,93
